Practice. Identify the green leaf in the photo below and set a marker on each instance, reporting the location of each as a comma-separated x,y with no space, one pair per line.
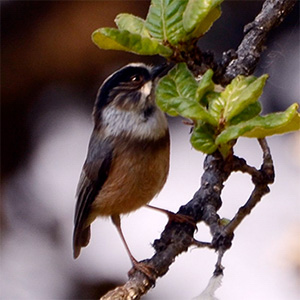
199,15
115,39
202,139
132,23
175,94
162,29
165,92
191,109
205,85
204,26
262,126
186,84
179,82
164,20
251,111
215,104
276,123
240,93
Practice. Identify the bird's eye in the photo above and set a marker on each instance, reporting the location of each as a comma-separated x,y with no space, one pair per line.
136,78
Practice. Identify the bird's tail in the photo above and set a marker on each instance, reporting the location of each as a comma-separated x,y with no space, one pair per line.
81,238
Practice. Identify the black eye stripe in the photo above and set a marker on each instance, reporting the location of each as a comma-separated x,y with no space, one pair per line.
136,78
126,77
131,74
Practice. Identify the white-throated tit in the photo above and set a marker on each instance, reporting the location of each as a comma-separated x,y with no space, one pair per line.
127,162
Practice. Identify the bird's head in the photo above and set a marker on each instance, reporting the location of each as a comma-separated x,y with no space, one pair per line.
125,102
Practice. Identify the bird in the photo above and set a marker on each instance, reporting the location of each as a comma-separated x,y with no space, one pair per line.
127,161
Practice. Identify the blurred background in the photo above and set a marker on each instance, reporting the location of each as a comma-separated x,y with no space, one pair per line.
50,74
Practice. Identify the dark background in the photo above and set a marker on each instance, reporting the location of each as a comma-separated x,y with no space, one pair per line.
50,73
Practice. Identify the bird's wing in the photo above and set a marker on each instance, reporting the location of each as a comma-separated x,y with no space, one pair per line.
92,178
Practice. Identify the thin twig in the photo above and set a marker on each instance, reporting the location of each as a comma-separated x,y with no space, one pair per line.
261,180
203,244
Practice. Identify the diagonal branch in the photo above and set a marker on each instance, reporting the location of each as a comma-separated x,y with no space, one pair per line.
248,53
244,60
177,237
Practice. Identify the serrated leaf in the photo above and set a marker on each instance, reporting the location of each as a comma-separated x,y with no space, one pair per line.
205,85
240,93
199,15
262,126
175,94
202,139
132,23
164,20
248,113
115,39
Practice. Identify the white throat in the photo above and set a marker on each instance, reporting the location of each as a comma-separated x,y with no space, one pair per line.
134,124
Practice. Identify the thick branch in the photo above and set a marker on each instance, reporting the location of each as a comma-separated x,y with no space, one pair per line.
177,237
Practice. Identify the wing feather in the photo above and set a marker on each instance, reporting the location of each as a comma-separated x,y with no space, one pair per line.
93,176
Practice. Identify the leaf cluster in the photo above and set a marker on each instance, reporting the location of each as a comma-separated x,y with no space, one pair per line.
169,26
221,116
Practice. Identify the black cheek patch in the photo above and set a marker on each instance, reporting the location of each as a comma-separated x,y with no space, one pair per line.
148,112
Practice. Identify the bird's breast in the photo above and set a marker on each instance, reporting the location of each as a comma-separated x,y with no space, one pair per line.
138,172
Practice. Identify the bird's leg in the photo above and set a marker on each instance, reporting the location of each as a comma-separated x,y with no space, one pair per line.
117,222
180,218
146,269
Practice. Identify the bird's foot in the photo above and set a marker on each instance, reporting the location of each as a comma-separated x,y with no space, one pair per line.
180,218
144,268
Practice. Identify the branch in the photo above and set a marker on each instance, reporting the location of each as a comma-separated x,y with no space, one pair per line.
248,53
261,179
244,60
177,237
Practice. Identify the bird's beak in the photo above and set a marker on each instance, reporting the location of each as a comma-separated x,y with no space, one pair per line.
161,70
